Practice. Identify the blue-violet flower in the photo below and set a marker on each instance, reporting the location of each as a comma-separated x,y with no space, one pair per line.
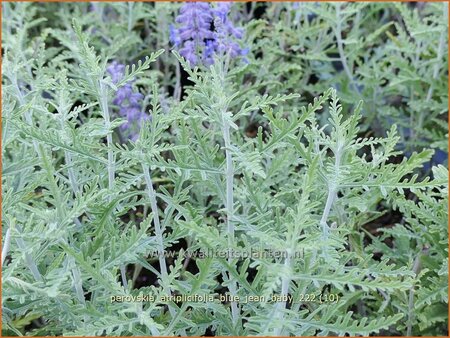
226,34
204,31
128,101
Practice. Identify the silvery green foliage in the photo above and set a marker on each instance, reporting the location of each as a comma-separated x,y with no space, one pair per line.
334,173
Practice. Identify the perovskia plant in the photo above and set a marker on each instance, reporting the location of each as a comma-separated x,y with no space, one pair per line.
284,159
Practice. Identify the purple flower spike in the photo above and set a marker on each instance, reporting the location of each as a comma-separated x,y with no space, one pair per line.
196,18
174,36
226,33
189,52
194,30
116,70
195,37
221,12
128,101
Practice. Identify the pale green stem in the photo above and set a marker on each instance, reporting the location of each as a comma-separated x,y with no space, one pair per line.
332,190
123,274
229,209
158,231
68,160
5,130
326,212
338,33
177,91
6,245
72,178
415,269
130,16
331,198
77,280
28,113
103,98
279,315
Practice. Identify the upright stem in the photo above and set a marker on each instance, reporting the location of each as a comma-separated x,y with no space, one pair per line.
229,209
158,230
415,269
229,184
77,280
111,163
55,190
177,91
28,113
68,160
338,33
72,178
130,16
284,291
331,197
6,244
103,98
332,191
326,211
